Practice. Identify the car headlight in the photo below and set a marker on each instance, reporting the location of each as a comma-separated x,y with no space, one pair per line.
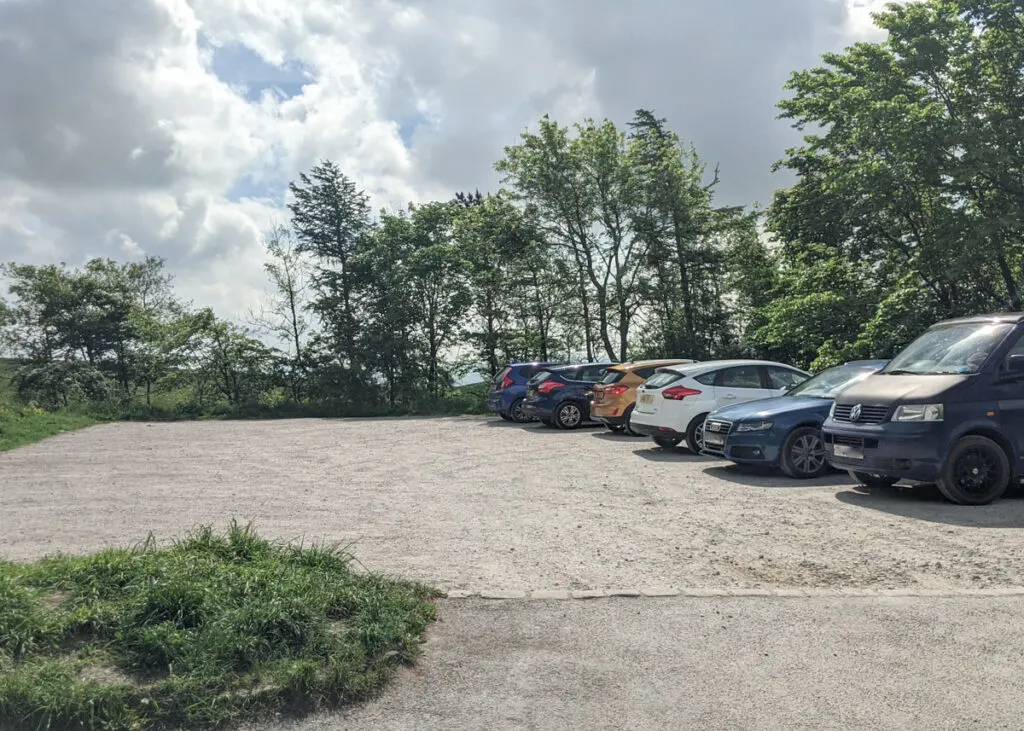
919,412
755,426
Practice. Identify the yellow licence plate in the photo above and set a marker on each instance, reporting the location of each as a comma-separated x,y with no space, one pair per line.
647,398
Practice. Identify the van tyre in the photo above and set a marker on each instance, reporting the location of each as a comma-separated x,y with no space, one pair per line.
569,415
695,434
803,454
869,479
976,472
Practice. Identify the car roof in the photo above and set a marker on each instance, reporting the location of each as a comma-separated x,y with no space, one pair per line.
998,317
712,365
649,363
579,365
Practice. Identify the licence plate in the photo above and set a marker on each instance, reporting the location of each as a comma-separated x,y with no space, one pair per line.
716,439
848,452
646,398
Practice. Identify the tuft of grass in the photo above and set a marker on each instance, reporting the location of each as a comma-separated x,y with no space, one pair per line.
25,425
214,628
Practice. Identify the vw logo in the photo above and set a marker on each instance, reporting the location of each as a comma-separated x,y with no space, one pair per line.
855,413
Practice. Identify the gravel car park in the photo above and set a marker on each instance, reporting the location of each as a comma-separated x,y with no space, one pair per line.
421,498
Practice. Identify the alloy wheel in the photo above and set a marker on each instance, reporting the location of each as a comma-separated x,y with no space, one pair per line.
975,470
570,415
808,454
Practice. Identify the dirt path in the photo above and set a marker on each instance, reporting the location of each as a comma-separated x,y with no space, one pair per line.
478,504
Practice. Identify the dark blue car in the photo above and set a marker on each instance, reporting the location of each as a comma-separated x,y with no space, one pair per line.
783,432
508,390
561,396
948,409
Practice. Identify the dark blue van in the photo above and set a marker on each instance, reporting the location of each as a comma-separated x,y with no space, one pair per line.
948,409
508,390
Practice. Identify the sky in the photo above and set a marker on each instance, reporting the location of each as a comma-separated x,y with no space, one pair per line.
172,127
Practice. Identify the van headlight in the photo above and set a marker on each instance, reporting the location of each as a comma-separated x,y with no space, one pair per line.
919,412
832,410
754,426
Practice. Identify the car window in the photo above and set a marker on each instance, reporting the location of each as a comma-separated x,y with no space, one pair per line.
708,379
593,373
1017,349
740,377
784,377
645,373
573,374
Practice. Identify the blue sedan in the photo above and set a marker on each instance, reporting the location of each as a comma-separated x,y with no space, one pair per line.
783,432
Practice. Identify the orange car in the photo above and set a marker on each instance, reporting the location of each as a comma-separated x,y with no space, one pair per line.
613,398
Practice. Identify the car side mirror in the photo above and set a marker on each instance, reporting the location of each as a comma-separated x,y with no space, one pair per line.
1015,364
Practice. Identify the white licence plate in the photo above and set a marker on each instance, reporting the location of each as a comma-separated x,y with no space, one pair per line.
646,398
847,452
715,439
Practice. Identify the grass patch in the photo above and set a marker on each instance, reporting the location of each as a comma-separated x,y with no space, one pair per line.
24,425
215,628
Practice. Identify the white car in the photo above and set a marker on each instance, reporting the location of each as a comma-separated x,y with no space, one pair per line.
671,405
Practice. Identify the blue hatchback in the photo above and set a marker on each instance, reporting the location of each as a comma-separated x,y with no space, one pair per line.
948,409
561,396
783,432
508,390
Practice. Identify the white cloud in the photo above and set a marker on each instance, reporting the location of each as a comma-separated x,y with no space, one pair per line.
119,139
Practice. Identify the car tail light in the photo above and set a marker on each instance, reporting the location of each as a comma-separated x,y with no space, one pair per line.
548,386
616,390
678,393
506,382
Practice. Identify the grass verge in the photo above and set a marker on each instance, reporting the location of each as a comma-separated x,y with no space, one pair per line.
21,426
215,628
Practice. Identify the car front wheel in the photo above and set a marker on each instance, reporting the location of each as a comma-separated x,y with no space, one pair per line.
976,472
803,454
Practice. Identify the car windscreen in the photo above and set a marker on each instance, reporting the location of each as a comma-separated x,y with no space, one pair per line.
662,379
828,383
613,377
955,348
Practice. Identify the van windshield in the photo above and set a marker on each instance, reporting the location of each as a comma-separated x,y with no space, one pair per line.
956,348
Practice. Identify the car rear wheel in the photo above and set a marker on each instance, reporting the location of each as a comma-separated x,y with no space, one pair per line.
695,434
803,454
628,429
870,479
569,415
547,422
976,472
516,412
667,442
504,416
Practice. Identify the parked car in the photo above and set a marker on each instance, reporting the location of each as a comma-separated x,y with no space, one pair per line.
783,432
948,409
615,396
559,396
673,403
508,390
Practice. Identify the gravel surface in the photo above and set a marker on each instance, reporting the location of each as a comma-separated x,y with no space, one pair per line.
478,504
715,663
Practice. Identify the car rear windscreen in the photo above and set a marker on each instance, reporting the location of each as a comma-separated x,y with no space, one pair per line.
501,374
612,377
539,376
662,379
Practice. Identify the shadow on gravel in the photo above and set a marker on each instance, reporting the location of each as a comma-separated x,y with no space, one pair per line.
765,477
657,454
925,502
610,436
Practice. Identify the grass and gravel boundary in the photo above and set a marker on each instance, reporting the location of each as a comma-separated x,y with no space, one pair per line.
217,627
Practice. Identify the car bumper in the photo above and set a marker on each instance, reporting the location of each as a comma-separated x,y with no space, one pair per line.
650,430
751,448
909,451
538,409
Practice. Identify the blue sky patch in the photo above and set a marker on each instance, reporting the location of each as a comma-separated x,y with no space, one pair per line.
237,65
